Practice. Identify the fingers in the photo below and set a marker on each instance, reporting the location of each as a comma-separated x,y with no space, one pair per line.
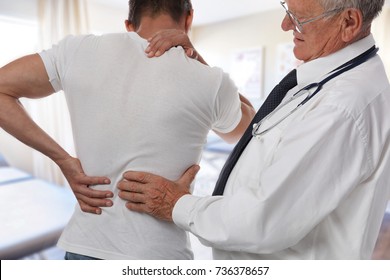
131,196
91,200
188,176
135,196
158,48
92,181
154,206
89,209
83,183
137,207
192,53
140,177
91,193
95,202
165,40
132,191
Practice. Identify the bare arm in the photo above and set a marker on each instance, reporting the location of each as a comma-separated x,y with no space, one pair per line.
166,39
248,112
27,77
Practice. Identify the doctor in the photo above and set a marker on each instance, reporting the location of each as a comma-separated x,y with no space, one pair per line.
312,182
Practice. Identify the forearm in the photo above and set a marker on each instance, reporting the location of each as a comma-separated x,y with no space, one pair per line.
247,114
16,121
244,100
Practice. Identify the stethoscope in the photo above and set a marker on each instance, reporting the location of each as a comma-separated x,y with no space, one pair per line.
257,132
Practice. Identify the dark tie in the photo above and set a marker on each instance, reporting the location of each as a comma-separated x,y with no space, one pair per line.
273,100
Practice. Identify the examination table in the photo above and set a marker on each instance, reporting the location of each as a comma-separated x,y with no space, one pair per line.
33,212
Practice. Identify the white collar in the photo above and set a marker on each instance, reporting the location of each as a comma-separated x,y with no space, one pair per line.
316,69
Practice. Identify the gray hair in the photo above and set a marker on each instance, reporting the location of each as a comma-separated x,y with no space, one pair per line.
369,8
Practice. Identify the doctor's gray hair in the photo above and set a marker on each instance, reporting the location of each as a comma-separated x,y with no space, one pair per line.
369,8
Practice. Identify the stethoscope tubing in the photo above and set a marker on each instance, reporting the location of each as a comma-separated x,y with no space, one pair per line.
333,74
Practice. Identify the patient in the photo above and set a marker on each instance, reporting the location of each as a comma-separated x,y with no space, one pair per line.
128,112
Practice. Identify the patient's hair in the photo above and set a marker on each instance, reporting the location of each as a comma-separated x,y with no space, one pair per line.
175,8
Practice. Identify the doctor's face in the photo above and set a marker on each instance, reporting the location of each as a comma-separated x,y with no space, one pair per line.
316,31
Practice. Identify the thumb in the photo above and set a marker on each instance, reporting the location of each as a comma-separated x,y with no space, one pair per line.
188,176
191,53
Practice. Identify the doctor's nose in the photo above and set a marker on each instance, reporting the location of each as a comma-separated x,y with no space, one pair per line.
287,24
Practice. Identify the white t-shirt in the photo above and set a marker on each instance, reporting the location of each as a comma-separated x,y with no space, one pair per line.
130,112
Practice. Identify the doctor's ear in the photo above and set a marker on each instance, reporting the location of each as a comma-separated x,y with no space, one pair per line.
352,24
129,26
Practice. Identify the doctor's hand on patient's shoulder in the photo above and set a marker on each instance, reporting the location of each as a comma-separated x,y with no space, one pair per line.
90,200
154,195
164,40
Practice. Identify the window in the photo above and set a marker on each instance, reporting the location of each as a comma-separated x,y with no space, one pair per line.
18,38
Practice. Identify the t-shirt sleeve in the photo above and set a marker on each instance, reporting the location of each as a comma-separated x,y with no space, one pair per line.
57,59
227,106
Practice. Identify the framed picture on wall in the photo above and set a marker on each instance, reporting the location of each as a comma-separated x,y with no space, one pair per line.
246,71
286,60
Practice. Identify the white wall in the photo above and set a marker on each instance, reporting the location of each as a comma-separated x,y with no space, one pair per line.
23,9
381,31
104,18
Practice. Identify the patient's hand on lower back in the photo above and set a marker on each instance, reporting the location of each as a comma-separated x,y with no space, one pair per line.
90,200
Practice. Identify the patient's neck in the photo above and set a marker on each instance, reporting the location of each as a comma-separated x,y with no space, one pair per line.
150,26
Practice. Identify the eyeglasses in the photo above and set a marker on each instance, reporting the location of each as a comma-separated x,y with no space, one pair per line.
298,24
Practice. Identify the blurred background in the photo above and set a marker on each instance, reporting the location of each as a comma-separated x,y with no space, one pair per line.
242,37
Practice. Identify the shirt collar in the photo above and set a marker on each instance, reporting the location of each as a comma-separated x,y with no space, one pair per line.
315,70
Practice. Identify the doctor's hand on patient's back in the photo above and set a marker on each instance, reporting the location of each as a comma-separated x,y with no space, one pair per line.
164,40
154,195
90,200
